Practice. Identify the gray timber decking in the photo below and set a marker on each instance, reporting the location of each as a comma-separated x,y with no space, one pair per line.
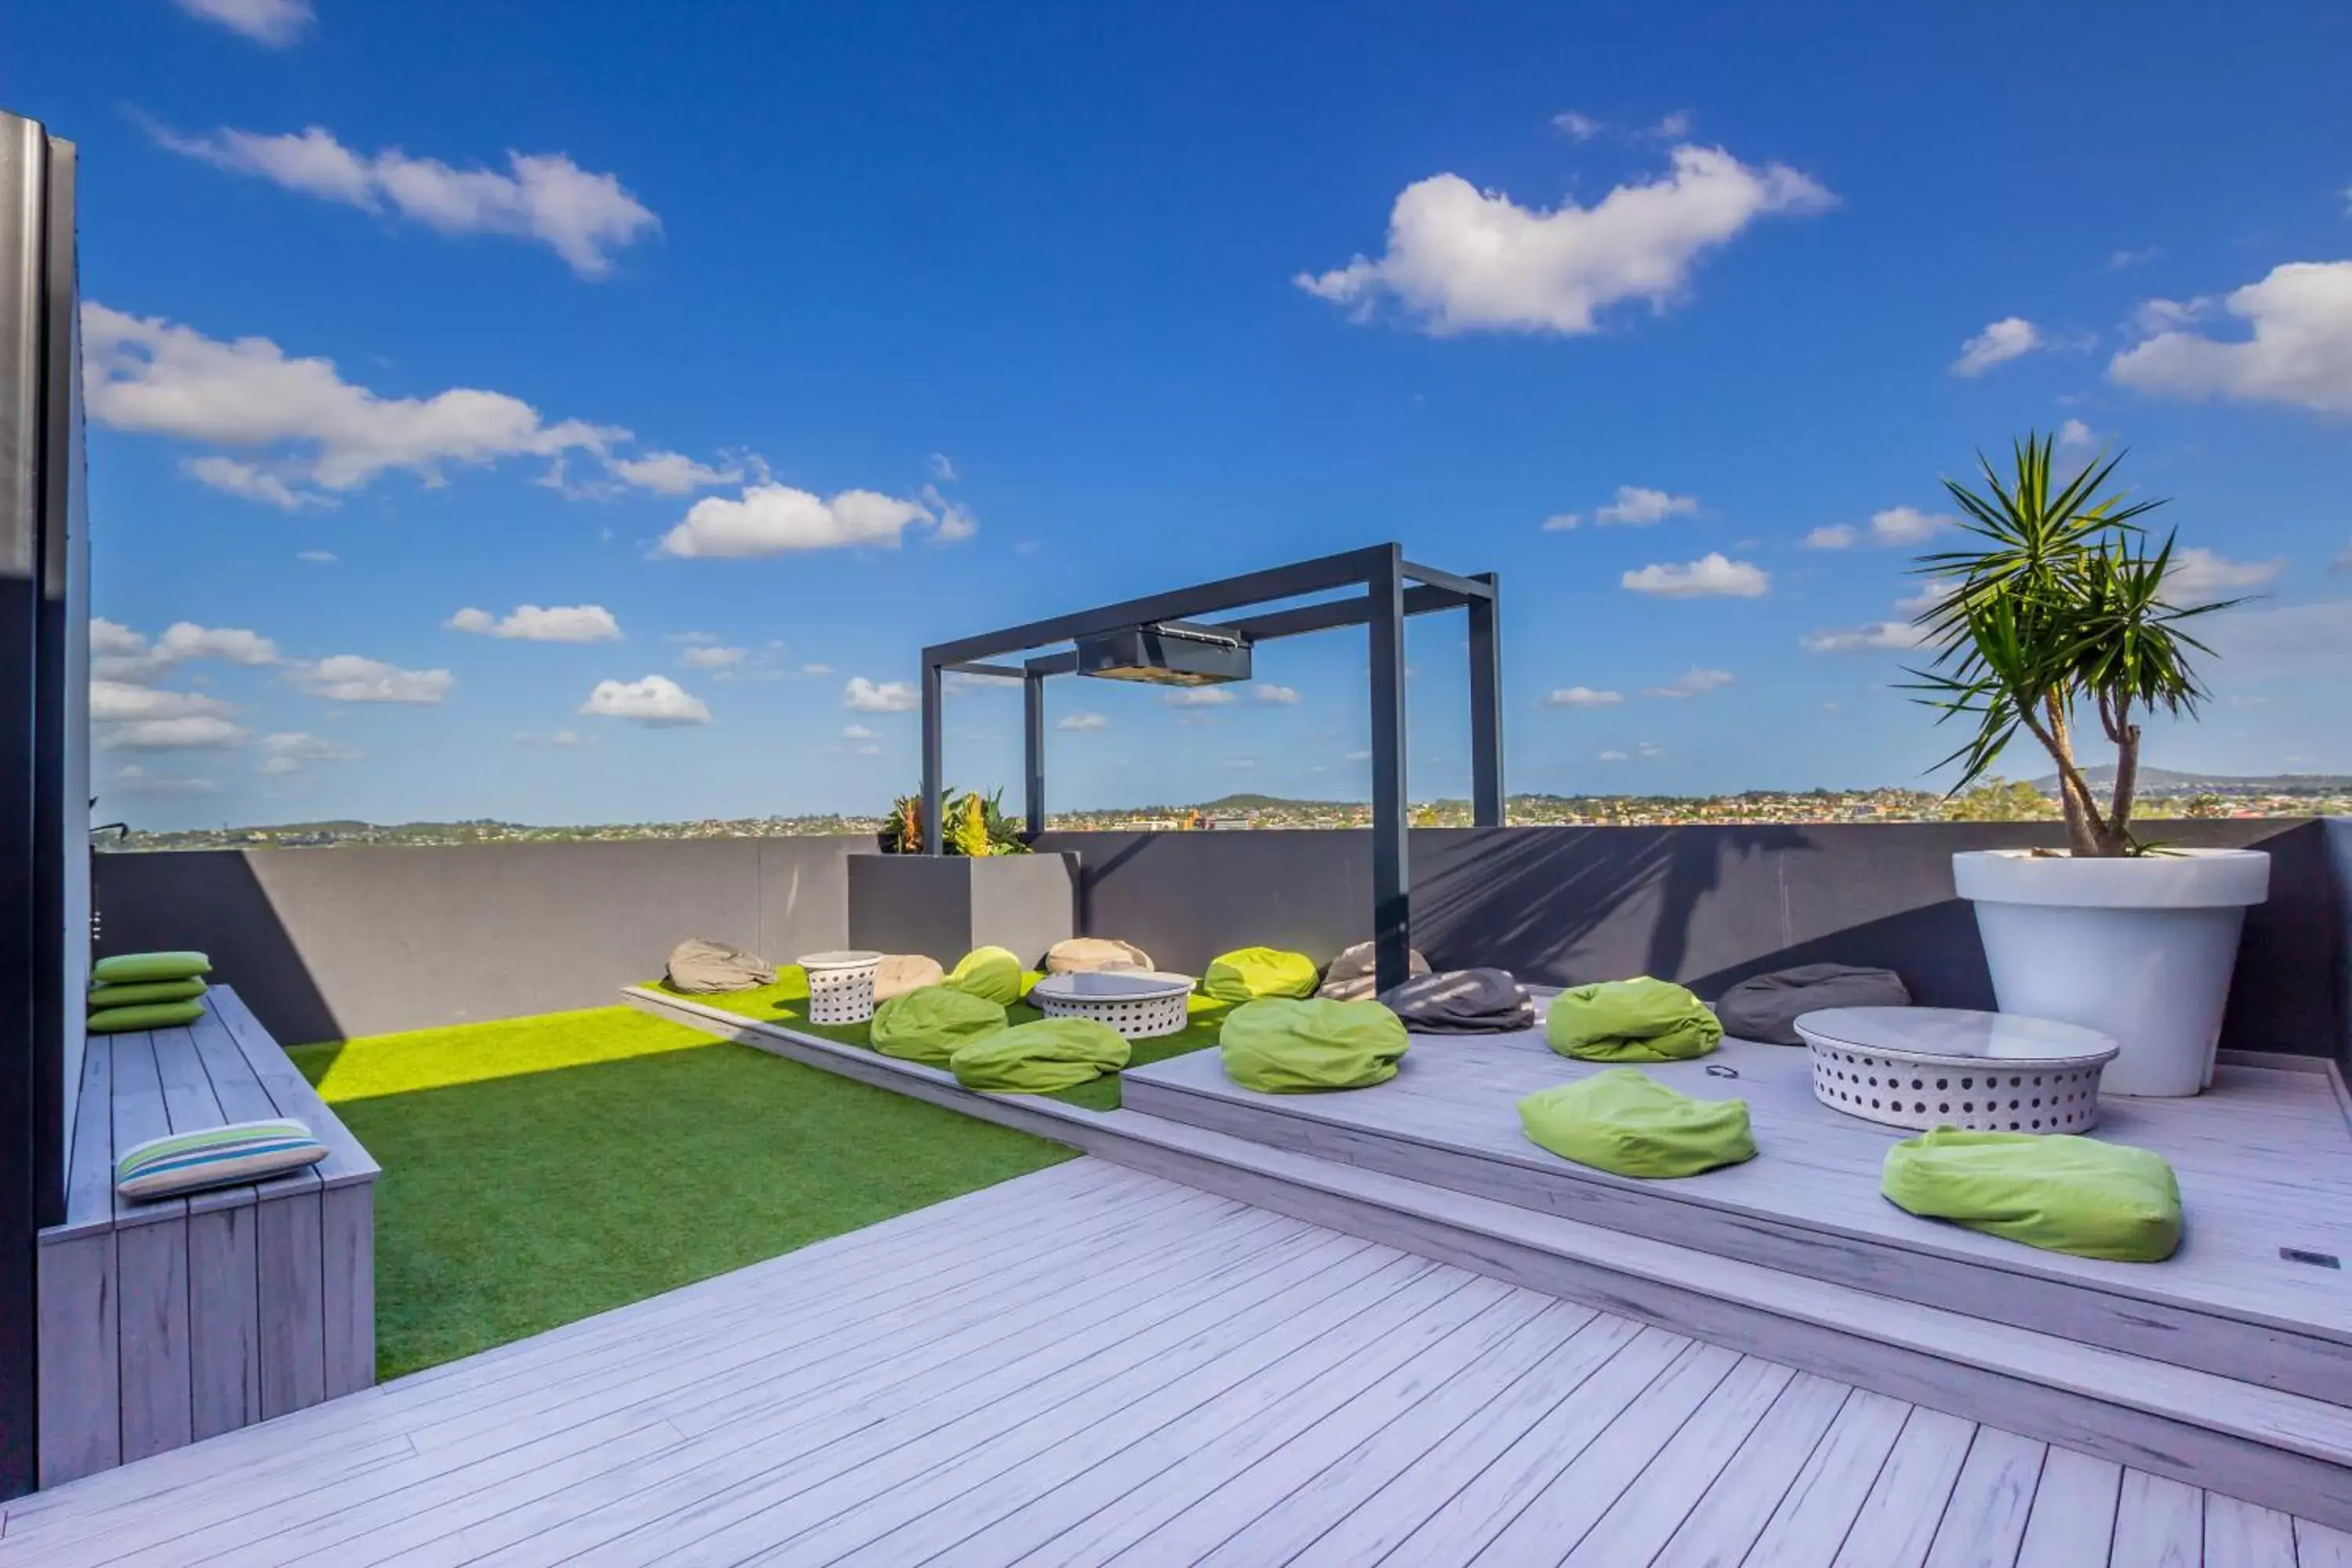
1091,1365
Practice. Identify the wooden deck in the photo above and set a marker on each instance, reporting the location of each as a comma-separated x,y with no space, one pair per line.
1092,1364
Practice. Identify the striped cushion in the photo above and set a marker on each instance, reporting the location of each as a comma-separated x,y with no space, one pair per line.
217,1157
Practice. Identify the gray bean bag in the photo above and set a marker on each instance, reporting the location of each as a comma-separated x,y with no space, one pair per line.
1462,1002
1350,977
699,968
1765,1007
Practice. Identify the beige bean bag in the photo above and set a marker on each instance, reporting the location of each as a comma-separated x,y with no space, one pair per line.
1090,954
1349,978
904,971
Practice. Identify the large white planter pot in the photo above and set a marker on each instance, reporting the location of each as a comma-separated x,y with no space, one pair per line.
2139,948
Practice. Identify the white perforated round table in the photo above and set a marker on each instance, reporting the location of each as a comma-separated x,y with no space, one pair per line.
1138,1002
841,985
1927,1066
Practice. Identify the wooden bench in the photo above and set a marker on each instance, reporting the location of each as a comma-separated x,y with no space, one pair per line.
165,1321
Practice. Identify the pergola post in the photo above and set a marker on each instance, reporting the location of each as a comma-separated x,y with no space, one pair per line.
1485,707
934,831
1392,901
1033,748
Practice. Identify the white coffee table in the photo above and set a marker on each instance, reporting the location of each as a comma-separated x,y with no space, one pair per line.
1138,1002
1925,1066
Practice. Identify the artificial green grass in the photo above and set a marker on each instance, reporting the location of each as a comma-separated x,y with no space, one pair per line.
542,1169
786,1003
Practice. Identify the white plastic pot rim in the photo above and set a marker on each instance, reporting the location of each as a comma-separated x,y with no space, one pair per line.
2168,879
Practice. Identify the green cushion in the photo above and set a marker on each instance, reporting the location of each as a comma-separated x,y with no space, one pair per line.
1040,1058
1625,1121
990,971
928,1025
1248,974
2048,1190
133,968
151,991
147,1015
1641,1020
216,1157
1280,1046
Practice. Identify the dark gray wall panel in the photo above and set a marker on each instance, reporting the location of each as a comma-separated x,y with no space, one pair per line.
328,943
1704,906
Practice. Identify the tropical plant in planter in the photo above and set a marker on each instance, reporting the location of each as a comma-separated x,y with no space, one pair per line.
2052,620
977,825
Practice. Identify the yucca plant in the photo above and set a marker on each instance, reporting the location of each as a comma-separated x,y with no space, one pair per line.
977,825
2057,615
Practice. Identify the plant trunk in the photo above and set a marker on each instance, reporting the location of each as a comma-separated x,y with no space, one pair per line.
2084,831
2117,838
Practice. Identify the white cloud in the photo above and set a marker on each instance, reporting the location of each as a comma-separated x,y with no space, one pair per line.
2002,341
1576,127
203,731
2118,260
671,473
2198,576
1639,508
1198,697
252,481
1711,576
2074,433
1083,721
1898,634
773,519
1692,683
273,23
285,751
530,623
1280,696
1358,757
113,637
1905,524
184,640
543,196
816,669
1239,764
553,738
317,557
1582,697
1932,591
132,779
2151,317
113,702
880,696
1830,536
1674,126
657,701
856,732
1649,749
1461,259
941,468
2300,352
149,375
1612,756
705,657
349,677
1561,522
2342,562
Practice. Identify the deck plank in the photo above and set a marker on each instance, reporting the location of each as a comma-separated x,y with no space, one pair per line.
1741,1500
2244,1536
2159,1524
2074,1516
1984,1521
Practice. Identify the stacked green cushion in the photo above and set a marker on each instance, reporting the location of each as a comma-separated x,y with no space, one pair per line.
136,968
1639,1020
150,990
1041,1058
1625,1121
151,1015
2056,1190
991,973
1284,1045
1248,973
928,1024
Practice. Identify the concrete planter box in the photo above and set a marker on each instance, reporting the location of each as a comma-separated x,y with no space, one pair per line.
945,906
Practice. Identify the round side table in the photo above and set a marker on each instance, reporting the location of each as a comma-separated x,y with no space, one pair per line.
1918,1068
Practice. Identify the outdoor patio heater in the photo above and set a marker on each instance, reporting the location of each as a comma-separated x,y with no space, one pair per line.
1162,640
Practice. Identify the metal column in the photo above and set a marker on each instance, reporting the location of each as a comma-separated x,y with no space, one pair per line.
1392,873
1032,750
1486,708
933,836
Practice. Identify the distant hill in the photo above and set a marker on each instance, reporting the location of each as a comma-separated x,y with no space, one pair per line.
1265,803
2163,781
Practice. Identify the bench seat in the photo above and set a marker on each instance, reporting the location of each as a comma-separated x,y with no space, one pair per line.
172,1320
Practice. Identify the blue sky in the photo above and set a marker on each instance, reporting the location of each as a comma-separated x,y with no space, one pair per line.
755,346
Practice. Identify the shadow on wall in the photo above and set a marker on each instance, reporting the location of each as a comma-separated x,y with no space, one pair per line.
213,902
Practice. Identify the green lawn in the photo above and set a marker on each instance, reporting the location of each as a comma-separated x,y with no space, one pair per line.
541,1170
786,1003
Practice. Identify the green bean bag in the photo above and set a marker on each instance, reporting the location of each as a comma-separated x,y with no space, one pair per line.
151,991
1280,1046
928,1024
1641,1020
136,968
148,1016
1625,1121
990,971
2046,1189
1248,974
1040,1058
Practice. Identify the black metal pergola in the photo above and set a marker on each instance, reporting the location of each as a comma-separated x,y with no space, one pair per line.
1159,638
